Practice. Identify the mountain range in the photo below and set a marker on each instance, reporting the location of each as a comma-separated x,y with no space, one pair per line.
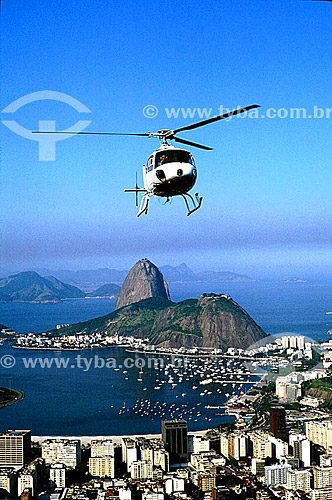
29,286
91,279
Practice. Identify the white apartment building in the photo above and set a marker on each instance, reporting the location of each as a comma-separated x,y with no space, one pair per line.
321,494
200,444
58,475
276,474
279,447
224,444
141,470
103,448
322,477
325,460
301,448
15,447
64,451
174,484
319,433
238,445
129,452
293,342
102,466
262,447
299,480
7,480
27,478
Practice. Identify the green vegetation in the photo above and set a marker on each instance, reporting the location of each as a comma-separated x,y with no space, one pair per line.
31,287
225,305
161,320
124,321
321,389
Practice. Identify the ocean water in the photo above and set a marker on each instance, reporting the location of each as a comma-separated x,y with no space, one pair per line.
71,401
277,307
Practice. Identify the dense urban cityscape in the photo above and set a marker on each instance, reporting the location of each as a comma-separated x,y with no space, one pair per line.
165,250
279,444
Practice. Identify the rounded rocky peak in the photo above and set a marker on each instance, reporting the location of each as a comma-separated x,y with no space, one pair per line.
212,297
143,281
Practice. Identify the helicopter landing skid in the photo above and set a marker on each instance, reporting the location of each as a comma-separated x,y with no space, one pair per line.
196,203
144,204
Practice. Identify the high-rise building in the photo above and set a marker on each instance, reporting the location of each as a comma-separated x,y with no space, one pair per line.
261,445
27,479
15,448
325,460
293,342
301,448
129,452
257,466
279,447
102,448
141,470
7,480
58,475
173,484
320,432
278,422
322,477
206,481
276,474
321,494
299,480
64,451
224,444
200,444
175,437
102,466
237,445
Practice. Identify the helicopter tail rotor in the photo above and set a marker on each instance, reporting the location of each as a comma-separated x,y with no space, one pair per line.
136,193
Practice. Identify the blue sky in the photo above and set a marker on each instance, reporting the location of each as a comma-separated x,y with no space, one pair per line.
266,185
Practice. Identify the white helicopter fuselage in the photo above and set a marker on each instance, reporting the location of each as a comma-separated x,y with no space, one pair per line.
169,172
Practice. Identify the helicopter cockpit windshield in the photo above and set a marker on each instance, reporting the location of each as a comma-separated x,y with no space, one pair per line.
179,156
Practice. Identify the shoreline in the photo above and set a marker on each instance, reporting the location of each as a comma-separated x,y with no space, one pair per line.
116,438
19,397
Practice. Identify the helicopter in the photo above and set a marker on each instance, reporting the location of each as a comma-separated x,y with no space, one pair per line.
169,171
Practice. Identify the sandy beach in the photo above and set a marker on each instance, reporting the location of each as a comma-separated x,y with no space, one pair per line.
116,439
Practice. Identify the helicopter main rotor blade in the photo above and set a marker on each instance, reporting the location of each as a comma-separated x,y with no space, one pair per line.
189,143
216,118
85,133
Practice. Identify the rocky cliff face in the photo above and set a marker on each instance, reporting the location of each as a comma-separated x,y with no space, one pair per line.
210,321
143,281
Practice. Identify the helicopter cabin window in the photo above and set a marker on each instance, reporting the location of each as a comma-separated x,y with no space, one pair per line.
150,164
170,156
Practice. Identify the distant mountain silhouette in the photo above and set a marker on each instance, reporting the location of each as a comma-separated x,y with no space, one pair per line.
108,290
91,279
31,287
